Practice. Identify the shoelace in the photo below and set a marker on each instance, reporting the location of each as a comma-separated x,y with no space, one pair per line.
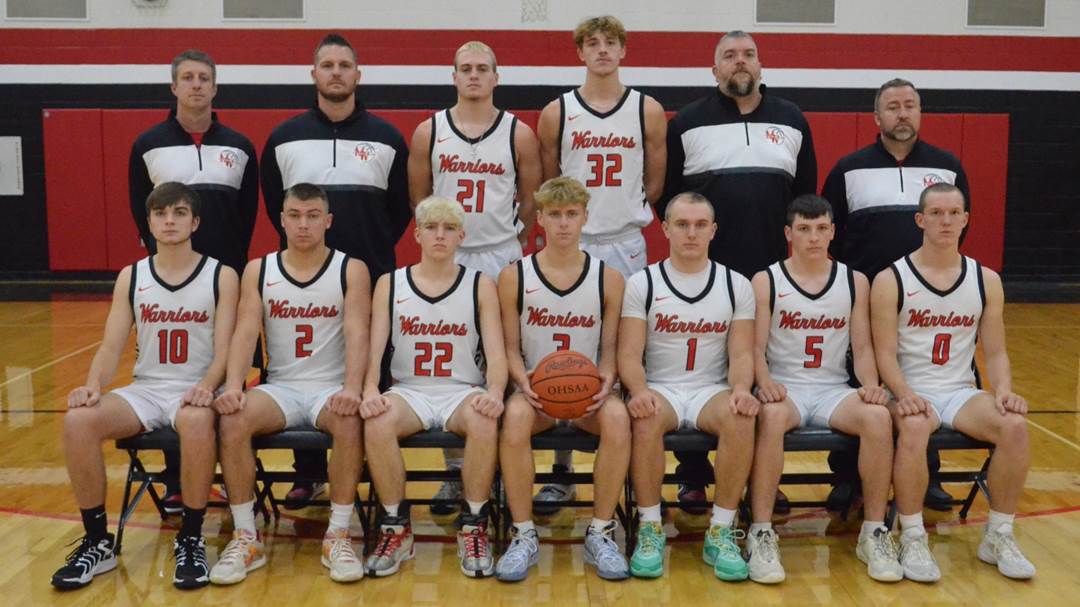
883,544
1006,548
918,551
86,553
341,550
476,544
766,544
609,551
729,548
650,541
521,546
189,548
237,549
391,541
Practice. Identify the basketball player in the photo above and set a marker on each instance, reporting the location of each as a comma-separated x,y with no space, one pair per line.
312,304
562,298
809,310
439,322
927,311
692,322
484,158
183,306
613,139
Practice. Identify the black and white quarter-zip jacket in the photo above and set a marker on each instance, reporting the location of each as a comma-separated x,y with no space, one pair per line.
874,199
749,166
224,172
360,162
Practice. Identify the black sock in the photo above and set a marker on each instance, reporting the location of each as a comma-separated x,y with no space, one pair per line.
95,522
192,522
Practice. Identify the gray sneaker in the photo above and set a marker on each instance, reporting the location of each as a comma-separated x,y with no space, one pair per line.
474,547
524,552
879,552
547,500
450,491
602,552
916,558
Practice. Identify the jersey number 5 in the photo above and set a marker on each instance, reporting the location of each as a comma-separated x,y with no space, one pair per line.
813,350
441,351
471,190
605,170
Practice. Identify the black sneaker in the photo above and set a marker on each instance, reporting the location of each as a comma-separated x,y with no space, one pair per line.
91,557
173,502
192,570
937,498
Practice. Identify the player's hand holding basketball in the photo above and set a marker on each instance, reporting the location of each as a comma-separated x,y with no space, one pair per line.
912,404
198,396
744,403
770,391
874,395
83,396
230,401
1011,401
488,404
374,405
643,404
605,389
525,387
345,402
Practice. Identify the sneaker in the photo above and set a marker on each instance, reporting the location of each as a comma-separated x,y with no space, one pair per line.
91,557
937,498
688,494
1000,548
916,558
548,499
451,492
840,497
764,565
173,502
648,558
524,552
878,551
723,553
192,570
339,557
243,554
301,495
394,545
782,505
602,552
474,546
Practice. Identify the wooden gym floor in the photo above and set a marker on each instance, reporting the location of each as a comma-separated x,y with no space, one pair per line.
46,348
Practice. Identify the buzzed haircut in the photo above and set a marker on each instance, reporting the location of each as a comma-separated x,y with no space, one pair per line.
605,24
688,198
561,192
193,55
808,206
939,188
895,83
731,34
170,193
333,40
478,47
308,191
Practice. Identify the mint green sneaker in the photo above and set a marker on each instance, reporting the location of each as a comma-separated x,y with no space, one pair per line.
648,559
723,553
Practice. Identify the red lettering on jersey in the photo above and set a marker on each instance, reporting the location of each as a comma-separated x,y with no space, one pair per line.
670,323
453,164
154,313
414,326
795,321
924,319
585,139
540,317
282,309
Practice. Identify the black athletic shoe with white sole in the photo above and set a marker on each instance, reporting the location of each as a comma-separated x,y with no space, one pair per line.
93,556
192,571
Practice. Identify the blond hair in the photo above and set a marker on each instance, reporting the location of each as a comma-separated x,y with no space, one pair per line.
435,209
477,47
605,24
561,192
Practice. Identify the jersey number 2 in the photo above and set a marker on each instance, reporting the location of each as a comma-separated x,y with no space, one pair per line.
441,351
305,333
172,346
471,190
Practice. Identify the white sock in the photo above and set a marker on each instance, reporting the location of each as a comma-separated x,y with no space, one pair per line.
998,519
475,507
340,515
243,516
755,527
391,509
649,514
868,527
722,516
524,526
598,524
911,522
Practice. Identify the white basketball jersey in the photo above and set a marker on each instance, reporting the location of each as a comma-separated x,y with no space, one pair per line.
686,343
809,334
552,320
435,340
304,322
936,345
174,325
606,152
481,174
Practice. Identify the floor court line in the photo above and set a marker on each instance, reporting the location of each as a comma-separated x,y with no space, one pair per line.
51,363
1052,433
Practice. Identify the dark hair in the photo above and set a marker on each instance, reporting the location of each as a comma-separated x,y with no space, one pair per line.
808,206
691,198
895,83
939,188
333,40
169,194
194,55
308,191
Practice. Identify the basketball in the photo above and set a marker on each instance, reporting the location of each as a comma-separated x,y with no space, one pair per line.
566,381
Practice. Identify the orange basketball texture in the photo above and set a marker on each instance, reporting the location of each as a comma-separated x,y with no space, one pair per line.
566,381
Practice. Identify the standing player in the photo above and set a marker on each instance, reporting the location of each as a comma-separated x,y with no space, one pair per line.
484,158
183,306
928,310
809,310
562,298
439,322
692,322
312,303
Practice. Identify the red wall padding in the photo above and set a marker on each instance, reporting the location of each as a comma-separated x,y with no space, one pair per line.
90,224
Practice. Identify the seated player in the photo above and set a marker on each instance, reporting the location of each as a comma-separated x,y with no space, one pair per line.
439,322
312,304
809,310
927,311
562,298
692,322
183,306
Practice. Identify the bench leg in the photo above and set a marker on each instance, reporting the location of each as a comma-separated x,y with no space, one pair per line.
265,493
629,516
980,483
136,473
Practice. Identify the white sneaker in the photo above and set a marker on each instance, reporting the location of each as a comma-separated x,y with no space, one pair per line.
915,557
878,551
244,553
764,564
999,548
339,557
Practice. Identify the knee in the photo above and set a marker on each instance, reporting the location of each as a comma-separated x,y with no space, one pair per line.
344,428
876,422
772,419
81,424
647,428
615,421
481,427
196,420
914,431
379,428
1013,431
234,429
518,421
